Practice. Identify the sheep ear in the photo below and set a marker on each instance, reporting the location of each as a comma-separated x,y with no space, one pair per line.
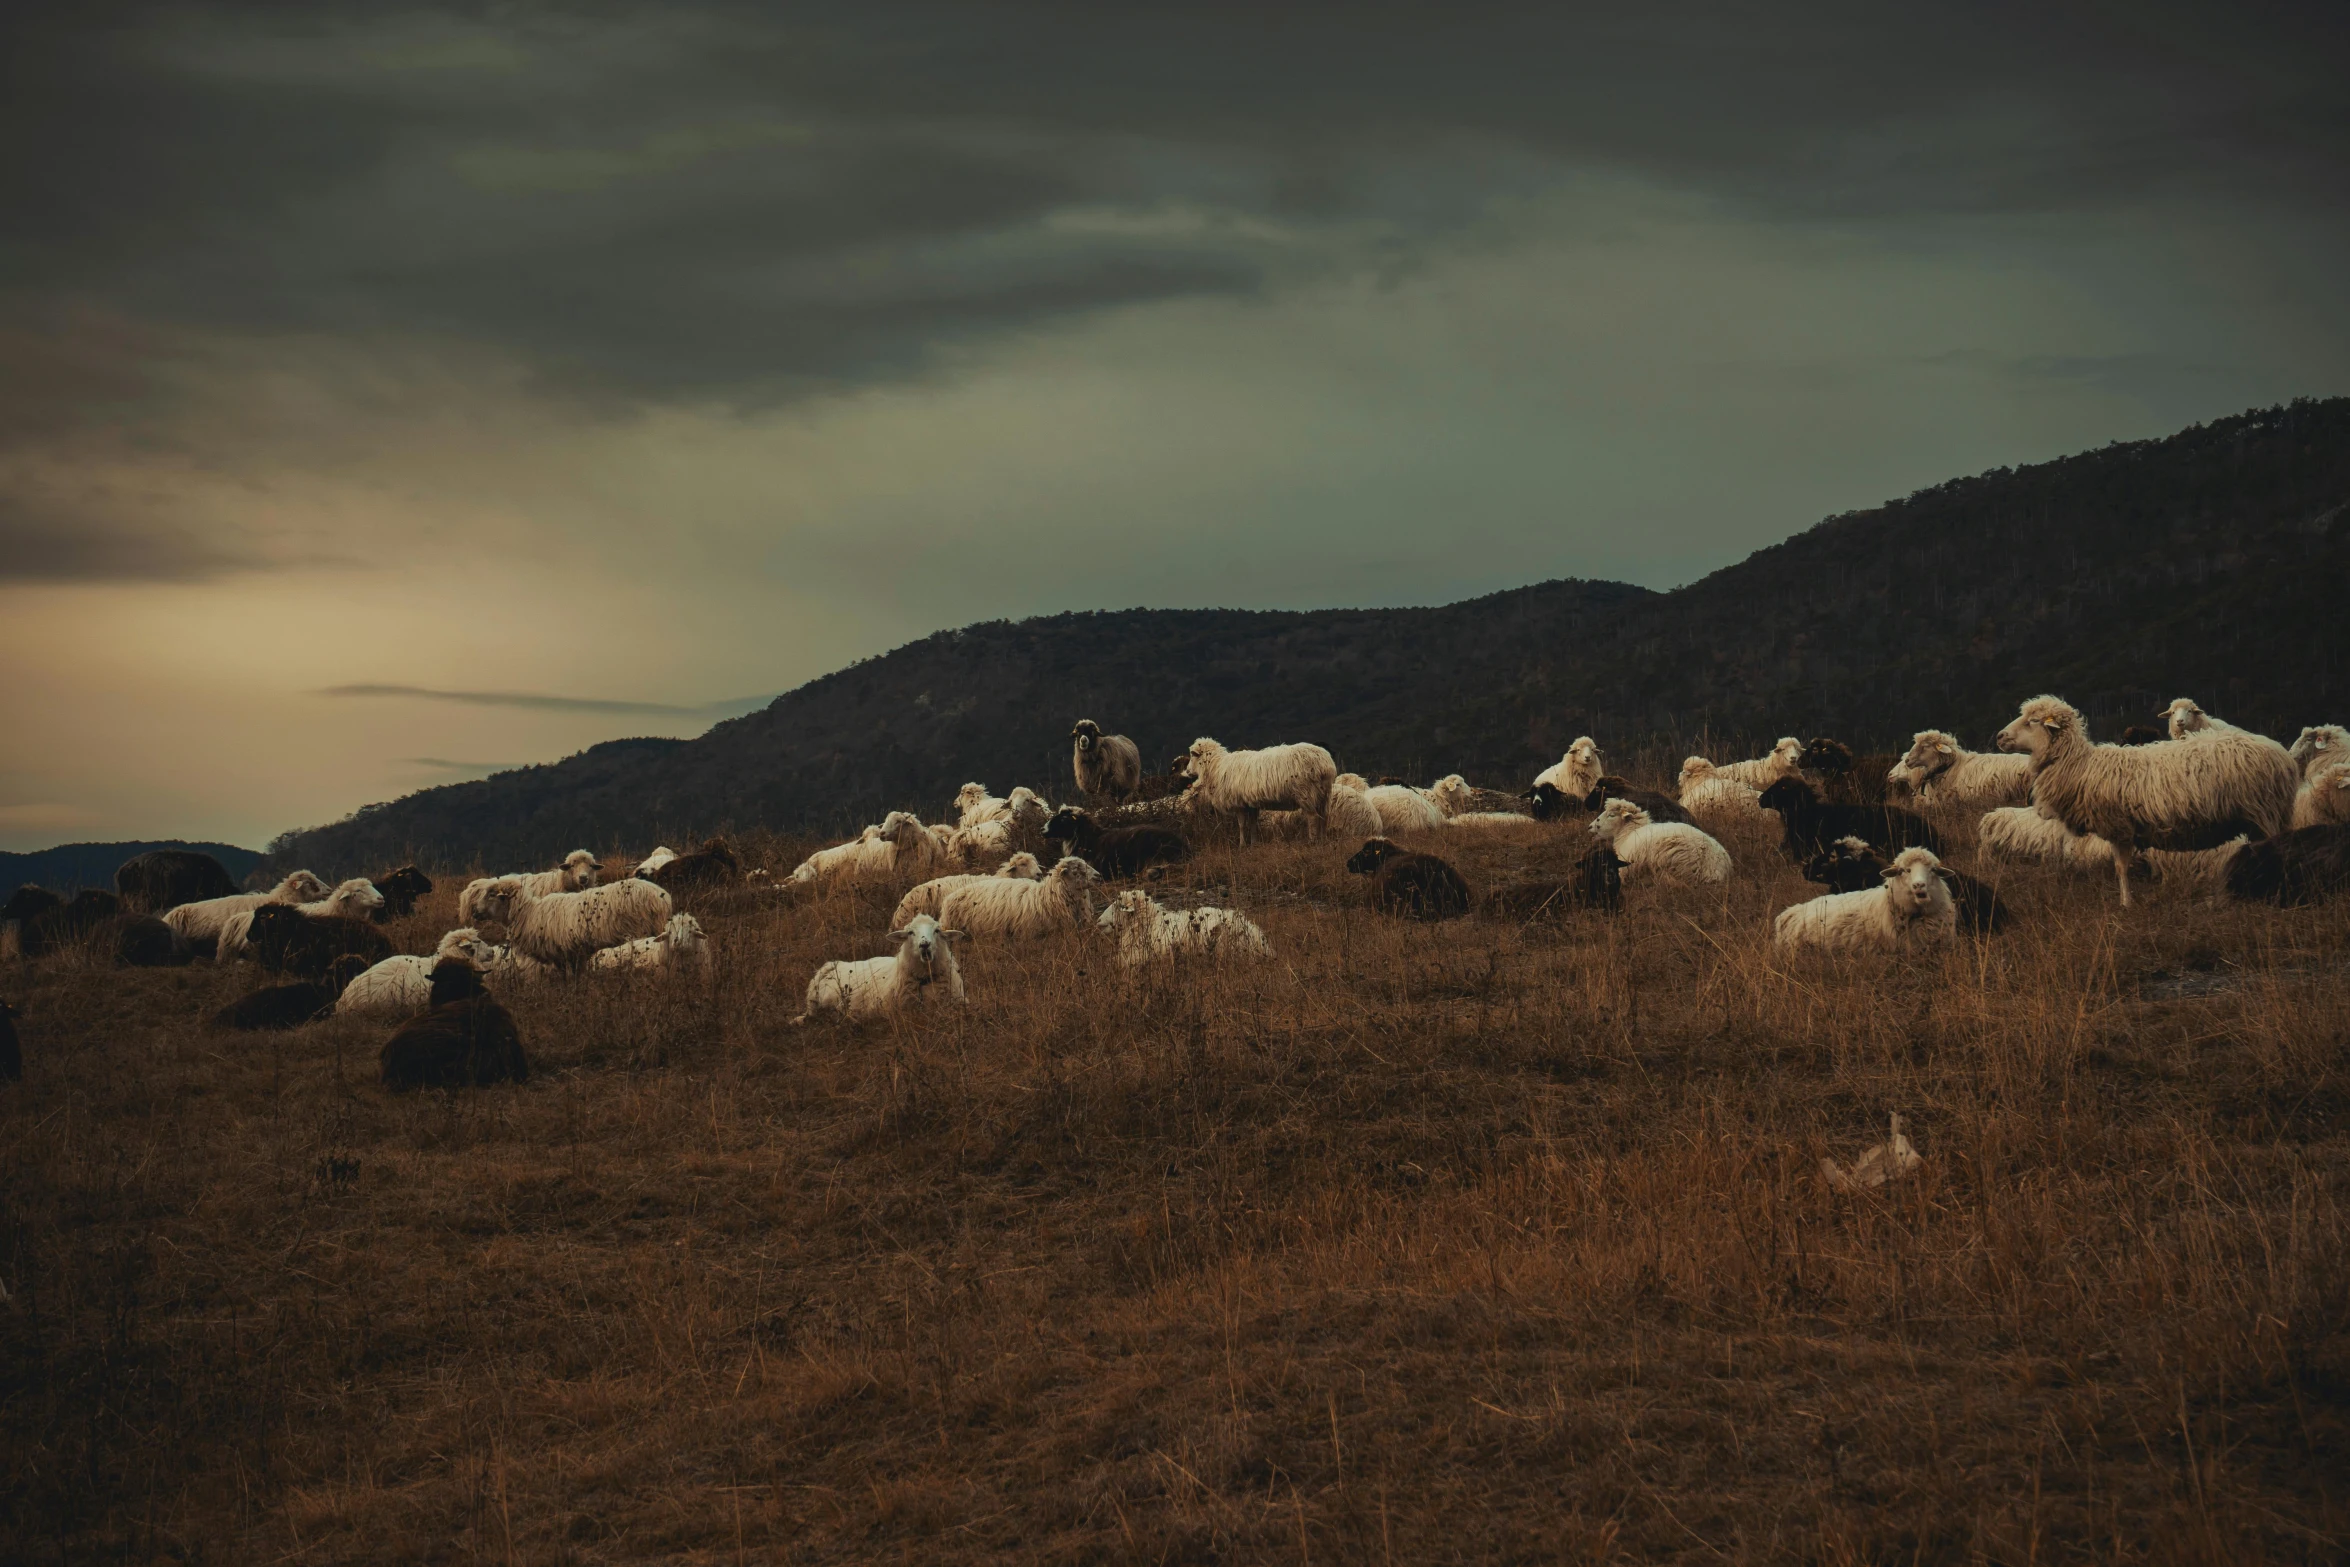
1889,872
900,935
1946,873
951,935
1946,750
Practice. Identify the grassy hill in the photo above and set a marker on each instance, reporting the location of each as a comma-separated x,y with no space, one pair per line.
2208,563
72,866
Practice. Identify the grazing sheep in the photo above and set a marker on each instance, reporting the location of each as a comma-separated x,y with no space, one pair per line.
1809,825
1148,933
662,854
163,879
1599,884
1843,777
1910,909
1575,774
680,947
11,1053
711,866
464,1040
1278,778
1850,865
291,1006
400,986
900,848
2324,797
2196,793
567,929
199,924
1415,886
2306,865
1004,906
292,942
140,941
1108,767
1116,852
920,974
1781,761
1662,851
1707,791
401,889
1940,771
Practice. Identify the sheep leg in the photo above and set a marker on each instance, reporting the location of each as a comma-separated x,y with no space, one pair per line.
1248,823
2124,861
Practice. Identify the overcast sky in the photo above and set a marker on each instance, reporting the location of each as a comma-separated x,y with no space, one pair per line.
389,394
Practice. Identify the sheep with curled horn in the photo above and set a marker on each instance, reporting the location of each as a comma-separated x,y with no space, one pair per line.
1108,767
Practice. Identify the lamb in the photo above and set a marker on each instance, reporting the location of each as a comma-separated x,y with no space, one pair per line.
1664,851
713,865
401,889
1940,771
1002,906
919,975
1599,884
1414,886
1575,774
1108,767
401,986
464,1040
1781,761
199,924
567,929
286,939
1809,826
1707,791
1844,777
1850,865
2195,793
681,947
2306,865
1148,933
1116,852
1278,778
291,1006
2323,798
1910,910
662,854
163,879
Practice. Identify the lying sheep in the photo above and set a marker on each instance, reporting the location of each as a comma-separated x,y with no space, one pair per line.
1148,933
1808,824
567,929
1108,767
1598,884
1841,776
1575,774
578,872
711,866
1783,760
662,854
929,896
1708,791
355,899
920,974
680,948
1660,851
1550,805
162,879
1909,910
973,805
1940,771
199,924
900,849
1278,778
463,1039
1850,865
1399,807
2320,745
2306,865
1005,906
842,860
290,1006
286,939
1349,814
402,986
2323,799
1414,886
2020,832
1116,852
139,941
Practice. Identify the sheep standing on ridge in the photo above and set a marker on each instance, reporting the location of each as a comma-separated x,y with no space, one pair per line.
1659,851
401,986
1707,791
920,974
1783,760
1909,910
680,948
1278,778
566,929
1411,886
2195,793
199,924
1940,771
1108,767
1148,933
1004,906
1575,774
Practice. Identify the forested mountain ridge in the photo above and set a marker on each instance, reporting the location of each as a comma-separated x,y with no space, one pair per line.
2211,563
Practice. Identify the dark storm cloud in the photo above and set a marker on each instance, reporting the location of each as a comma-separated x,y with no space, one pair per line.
745,203
64,544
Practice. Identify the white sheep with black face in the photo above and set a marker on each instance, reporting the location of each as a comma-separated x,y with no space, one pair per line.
1147,933
1911,911
921,974
1659,851
1940,771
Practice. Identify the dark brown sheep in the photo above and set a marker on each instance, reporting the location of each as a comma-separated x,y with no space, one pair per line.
66,924
282,937
1812,824
2306,865
30,902
464,1040
711,866
1551,803
164,879
140,941
1843,778
1415,886
1116,852
291,1006
1598,884
401,889
2143,734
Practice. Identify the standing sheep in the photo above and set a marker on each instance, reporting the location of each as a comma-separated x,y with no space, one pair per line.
1910,910
1148,933
1662,851
1004,906
1108,767
920,974
1278,778
2195,793
1940,771
566,929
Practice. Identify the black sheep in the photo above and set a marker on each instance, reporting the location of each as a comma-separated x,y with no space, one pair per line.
1599,884
1116,852
1551,803
464,1040
1812,825
67,923
1845,778
283,937
1849,865
30,902
164,879
712,865
291,1006
140,941
2142,734
1419,886
401,889
11,1056
2306,865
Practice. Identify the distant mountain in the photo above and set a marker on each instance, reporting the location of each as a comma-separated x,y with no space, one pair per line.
71,866
2210,564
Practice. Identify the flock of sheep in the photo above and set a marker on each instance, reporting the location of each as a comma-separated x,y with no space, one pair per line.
2206,799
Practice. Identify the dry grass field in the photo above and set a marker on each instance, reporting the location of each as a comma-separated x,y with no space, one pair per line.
1471,1242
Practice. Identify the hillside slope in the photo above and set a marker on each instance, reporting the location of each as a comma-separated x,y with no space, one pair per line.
2209,563
72,866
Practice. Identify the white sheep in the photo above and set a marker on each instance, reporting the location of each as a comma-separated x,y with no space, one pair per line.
1911,911
652,862
199,924
2195,793
1452,795
2186,717
1402,808
1575,774
973,805
2020,832
567,929
679,948
1477,821
355,899
1349,814
920,974
899,848
930,895
1278,778
1667,851
402,986
1940,771
1766,770
2324,797
1009,906
578,872
1148,933
2320,745
1705,790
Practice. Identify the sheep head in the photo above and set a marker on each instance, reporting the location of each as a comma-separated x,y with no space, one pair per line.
300,887
1617,816
927,944
2320,743
1824,755
968,796
1585,749
1129,905
1022,866
1071,875
1028,807
1694,768
901,827
1202,758
1788,795
1374,853
2183,717
684,933
2042,725
1086,733
1931,751
1064,823
1914,881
